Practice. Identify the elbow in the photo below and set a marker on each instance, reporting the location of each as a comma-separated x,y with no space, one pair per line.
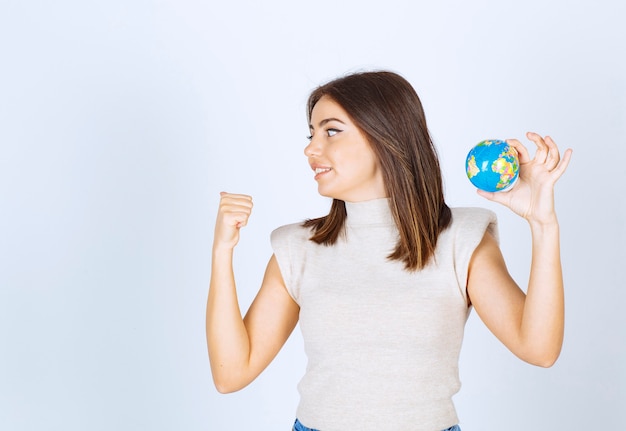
545,363
228,385
223,388
549,360
541,353
226,377
543,359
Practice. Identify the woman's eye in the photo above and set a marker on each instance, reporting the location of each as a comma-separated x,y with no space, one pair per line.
332,132
308,138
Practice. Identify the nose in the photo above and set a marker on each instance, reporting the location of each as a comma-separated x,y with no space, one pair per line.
313,149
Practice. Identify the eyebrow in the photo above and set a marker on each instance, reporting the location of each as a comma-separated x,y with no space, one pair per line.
326,120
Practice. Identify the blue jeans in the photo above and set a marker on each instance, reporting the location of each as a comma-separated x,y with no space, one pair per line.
299,427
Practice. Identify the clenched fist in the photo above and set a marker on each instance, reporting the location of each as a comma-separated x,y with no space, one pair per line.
232,215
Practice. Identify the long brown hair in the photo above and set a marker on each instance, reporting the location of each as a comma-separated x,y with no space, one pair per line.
389,113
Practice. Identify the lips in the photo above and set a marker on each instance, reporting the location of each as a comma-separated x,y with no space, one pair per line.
320,170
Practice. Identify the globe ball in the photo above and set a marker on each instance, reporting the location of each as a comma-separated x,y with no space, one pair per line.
492,165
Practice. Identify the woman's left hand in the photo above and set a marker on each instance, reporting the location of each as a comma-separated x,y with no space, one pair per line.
532,196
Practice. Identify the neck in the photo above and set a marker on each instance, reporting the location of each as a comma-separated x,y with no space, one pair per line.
367,213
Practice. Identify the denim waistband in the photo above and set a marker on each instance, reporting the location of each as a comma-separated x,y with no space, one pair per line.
297,426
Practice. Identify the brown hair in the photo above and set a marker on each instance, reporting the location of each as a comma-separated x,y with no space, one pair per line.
389,113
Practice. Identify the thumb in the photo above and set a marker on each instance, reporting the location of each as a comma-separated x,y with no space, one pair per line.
487,195
502,197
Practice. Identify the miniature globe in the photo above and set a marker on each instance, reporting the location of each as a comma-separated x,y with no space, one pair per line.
492,165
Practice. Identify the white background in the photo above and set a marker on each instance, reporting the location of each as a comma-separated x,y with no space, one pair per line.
121,121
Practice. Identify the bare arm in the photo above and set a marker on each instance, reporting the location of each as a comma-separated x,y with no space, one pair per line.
240,348
531,325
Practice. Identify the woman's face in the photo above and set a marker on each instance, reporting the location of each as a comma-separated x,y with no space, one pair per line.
345,166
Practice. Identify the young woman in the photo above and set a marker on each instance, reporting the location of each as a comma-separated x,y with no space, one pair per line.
382,286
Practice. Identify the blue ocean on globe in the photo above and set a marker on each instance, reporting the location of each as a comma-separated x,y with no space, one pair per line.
492,165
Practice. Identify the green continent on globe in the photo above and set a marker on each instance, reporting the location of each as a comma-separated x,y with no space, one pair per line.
506,166
472,168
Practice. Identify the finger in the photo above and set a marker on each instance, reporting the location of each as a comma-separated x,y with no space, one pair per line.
563,164
242,223
522,151
553,153
541,155
236,219
498,197
236,199
234,208
233,205
235,196
486,195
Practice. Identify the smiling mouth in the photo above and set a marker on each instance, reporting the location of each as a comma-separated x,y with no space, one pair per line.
321,171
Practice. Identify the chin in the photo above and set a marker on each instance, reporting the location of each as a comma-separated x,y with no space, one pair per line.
326,193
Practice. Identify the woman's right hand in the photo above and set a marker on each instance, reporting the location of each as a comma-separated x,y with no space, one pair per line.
232,215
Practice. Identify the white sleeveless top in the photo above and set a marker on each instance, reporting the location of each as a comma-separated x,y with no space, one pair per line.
382,343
